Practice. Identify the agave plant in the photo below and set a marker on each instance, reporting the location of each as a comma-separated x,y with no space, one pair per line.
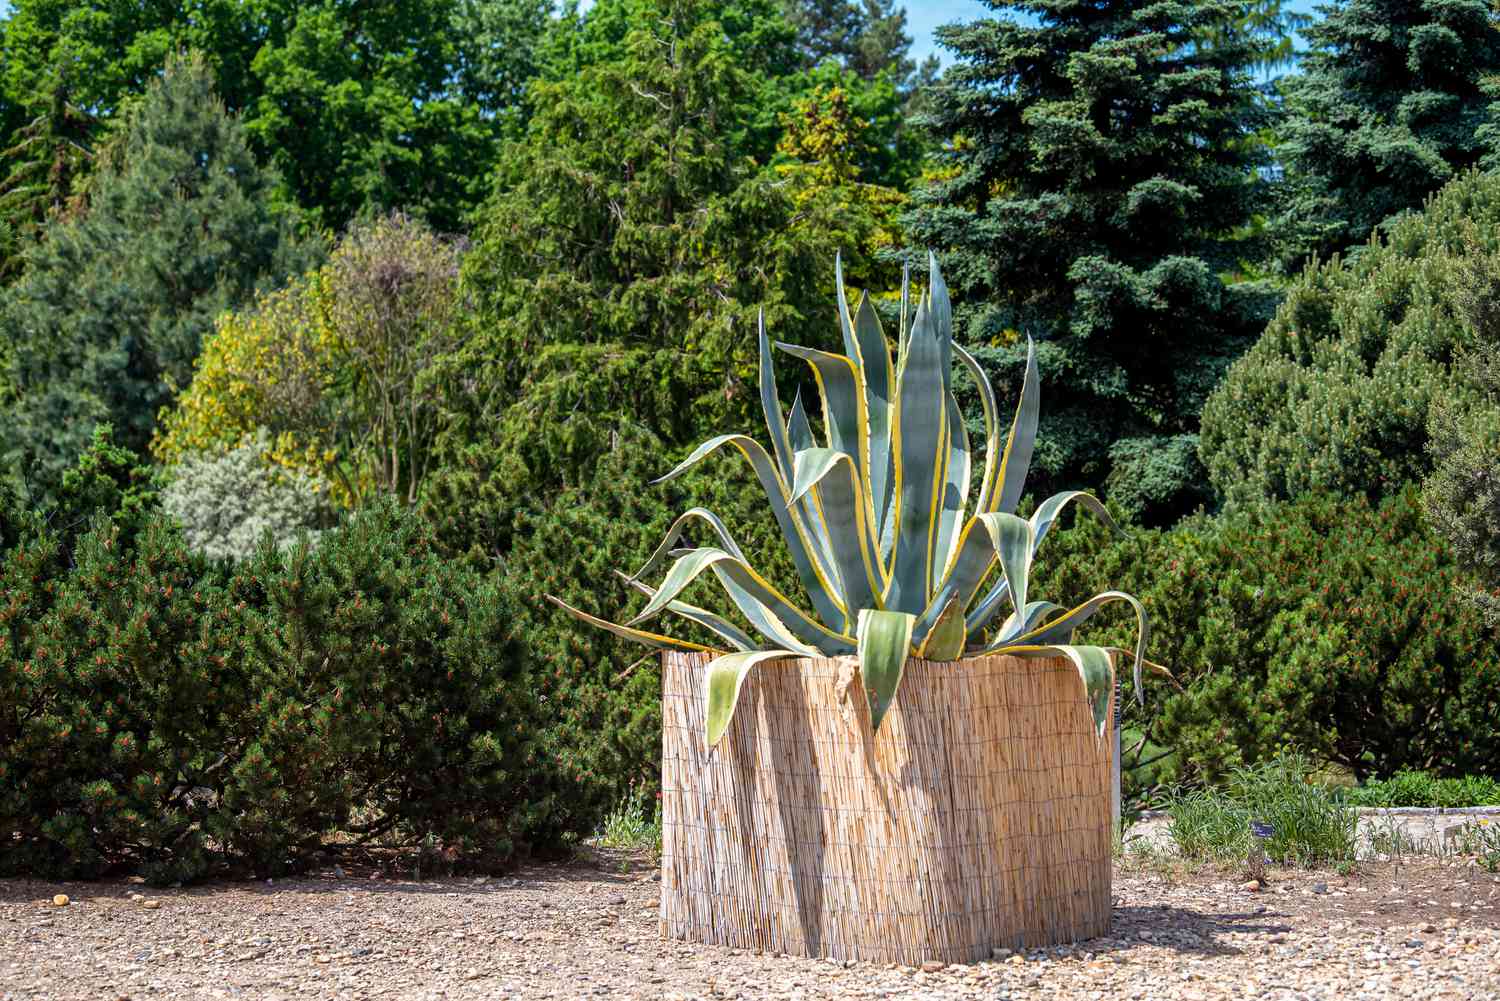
895,559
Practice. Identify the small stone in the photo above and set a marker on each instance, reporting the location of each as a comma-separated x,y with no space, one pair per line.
1016,960
933,965
1320,888
61,900
1429,928
1000,953
152,905
1251,886
617,900
338,872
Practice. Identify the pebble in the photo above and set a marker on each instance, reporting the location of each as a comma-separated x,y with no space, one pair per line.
932,965
1252,886
151,905
61,900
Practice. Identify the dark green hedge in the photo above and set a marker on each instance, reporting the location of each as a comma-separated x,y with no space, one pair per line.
1326,624
161,712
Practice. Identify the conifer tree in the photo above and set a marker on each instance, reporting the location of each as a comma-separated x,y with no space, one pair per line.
1394,99
109,315
1096,168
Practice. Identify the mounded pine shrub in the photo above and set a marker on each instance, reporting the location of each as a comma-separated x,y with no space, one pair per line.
161,712
1326,624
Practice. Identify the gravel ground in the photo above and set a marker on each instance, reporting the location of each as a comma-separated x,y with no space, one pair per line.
1423,930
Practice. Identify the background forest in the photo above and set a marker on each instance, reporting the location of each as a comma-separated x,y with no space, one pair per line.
333,334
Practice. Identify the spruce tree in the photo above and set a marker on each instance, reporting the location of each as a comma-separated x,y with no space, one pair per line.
109,314
1394,99
1097,165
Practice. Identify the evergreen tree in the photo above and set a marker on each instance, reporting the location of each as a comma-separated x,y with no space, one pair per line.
108,317
40,173
1097,165
618,273
1394,99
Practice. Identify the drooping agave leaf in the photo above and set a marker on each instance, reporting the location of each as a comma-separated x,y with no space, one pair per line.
717,624
828,476
880,386
703,514
1015,625
1095,666
1048,511
812,571
638,635
1016,460
921,452
762,619
955,494
770,404
884,641
990,475
1061,628
945,641
722,680
687,569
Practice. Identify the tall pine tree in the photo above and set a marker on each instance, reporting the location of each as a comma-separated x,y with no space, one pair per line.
1097,166
108,316
1394,99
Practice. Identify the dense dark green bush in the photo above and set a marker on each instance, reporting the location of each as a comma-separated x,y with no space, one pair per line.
1326,624
603,694
1337,392
170,713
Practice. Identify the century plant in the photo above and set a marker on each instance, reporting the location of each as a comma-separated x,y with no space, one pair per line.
878,523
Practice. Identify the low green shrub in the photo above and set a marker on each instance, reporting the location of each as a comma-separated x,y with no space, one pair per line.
171,714
1326,624
1310,825
1426,789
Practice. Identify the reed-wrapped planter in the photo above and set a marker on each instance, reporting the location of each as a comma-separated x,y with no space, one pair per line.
978,816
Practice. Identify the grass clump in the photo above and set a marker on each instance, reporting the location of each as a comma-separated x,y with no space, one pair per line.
1425,789
1311,825
635,822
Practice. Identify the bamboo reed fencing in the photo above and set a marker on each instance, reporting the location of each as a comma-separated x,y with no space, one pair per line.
977,818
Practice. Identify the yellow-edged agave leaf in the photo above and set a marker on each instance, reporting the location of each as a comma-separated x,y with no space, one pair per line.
991,472
763,620
945,641
1047,512
722,681
1095,666
1011,537
1016,460
880,387
976,554
770,404
813,573
942,319
703,514
626,632
1014,625
717,624
687,569
841,502
884,642
920,447
955,494
1061,629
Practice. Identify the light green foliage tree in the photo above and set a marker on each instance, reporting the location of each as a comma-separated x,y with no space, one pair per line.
338,366
1337,393
226,502
1395,98
1096,168
108,317
360,105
